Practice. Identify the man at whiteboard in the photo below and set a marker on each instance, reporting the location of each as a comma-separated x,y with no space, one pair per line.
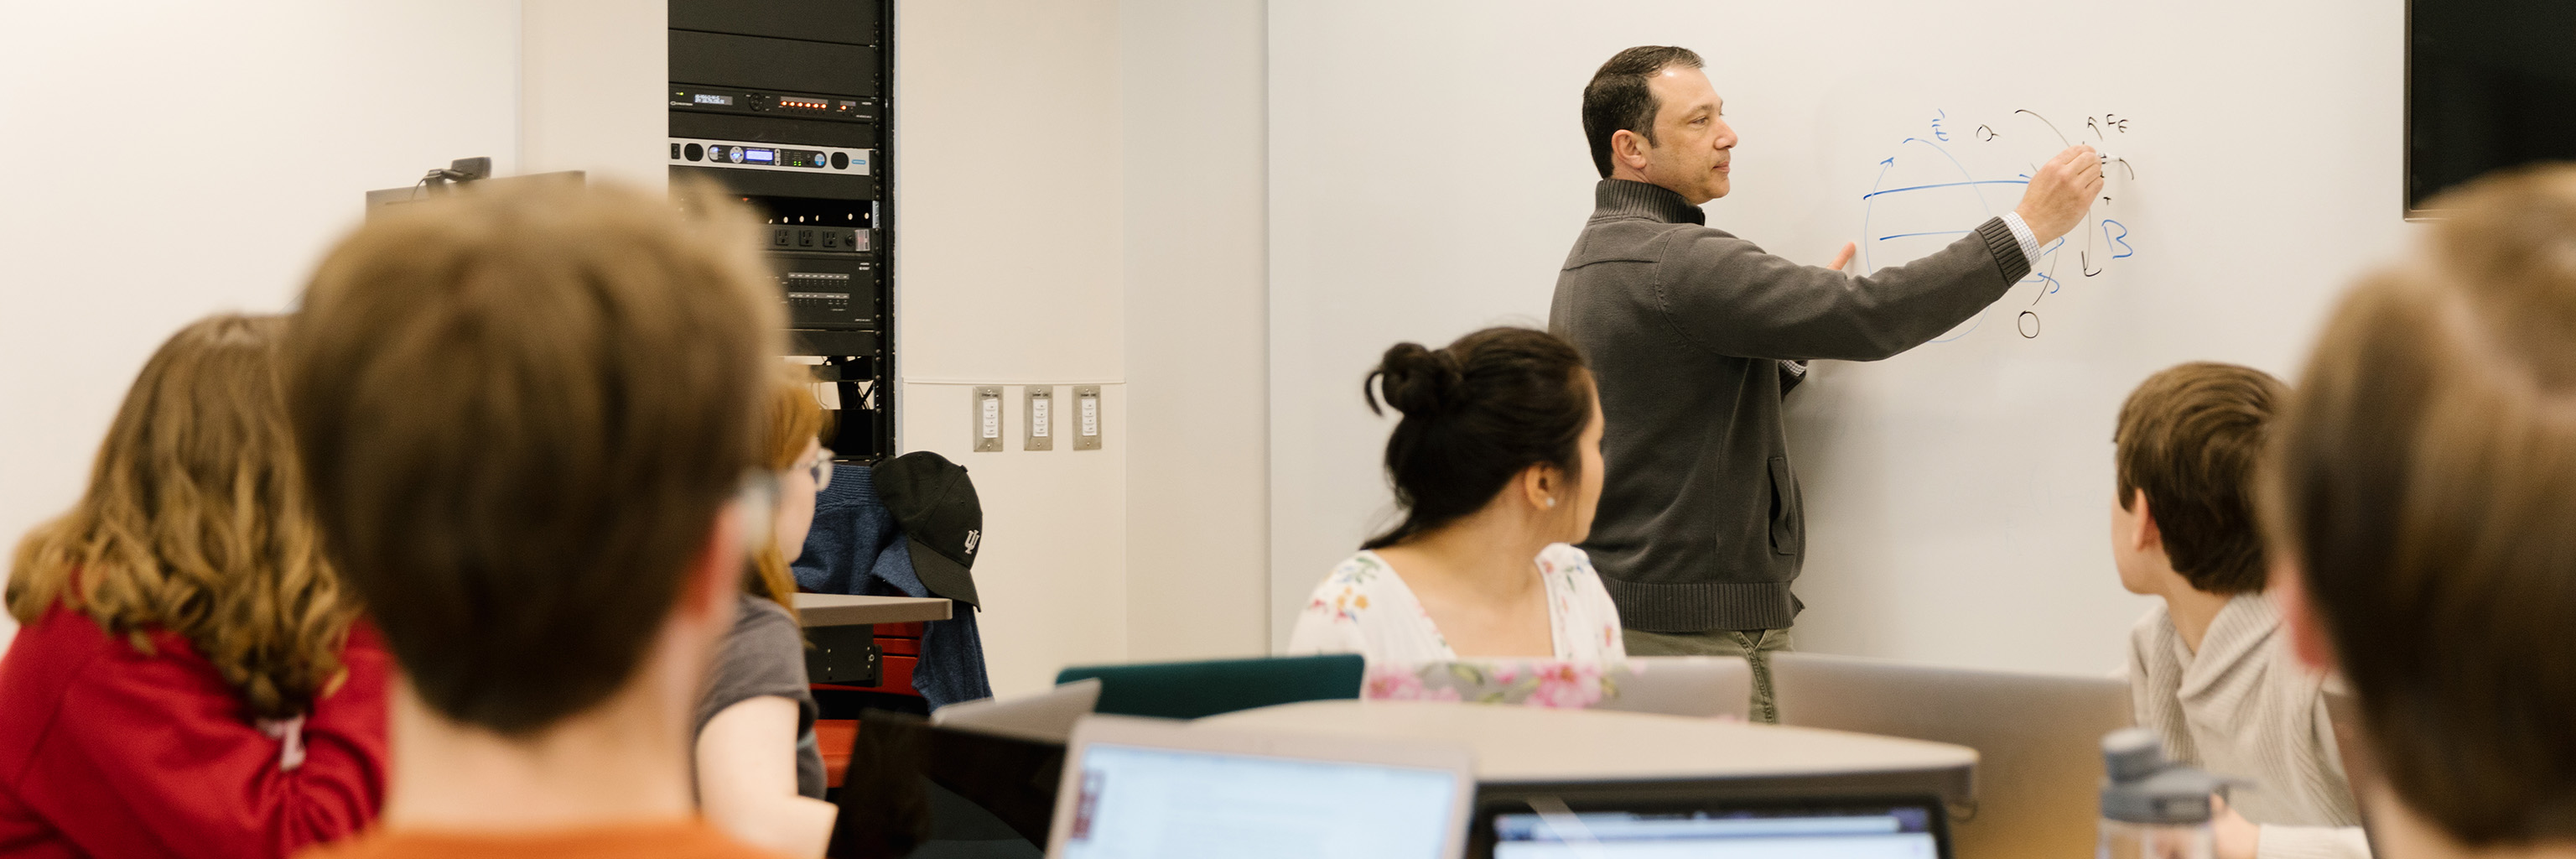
1694,336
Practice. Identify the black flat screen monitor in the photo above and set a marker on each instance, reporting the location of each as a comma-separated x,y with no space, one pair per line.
2490,84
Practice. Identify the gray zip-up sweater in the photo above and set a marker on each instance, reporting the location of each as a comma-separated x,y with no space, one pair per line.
1686,328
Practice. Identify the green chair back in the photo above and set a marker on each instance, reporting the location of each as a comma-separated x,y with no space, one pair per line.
1188,690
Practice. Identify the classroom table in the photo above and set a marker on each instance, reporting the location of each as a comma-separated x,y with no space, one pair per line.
845,610
1533,750
1530,757
841,632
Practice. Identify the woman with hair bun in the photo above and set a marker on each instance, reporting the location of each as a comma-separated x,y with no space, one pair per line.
1496,465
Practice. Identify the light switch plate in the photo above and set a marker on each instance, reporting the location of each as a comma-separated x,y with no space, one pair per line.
1037,418
988,419
1086,417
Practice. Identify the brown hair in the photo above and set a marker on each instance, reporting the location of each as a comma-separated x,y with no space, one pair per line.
520,410
195,522
2421,481
1619,99
1476,414
795,421
2189,437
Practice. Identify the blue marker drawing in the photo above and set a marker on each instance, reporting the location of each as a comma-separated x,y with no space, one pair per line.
2045,291
2122,240
1927,191
1948,185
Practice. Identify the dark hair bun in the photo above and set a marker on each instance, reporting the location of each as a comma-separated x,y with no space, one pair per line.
1419,381
1475,414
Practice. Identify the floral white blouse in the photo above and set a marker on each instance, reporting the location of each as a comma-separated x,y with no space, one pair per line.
1365,608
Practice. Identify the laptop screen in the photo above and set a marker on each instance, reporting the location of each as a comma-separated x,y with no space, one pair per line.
1155,802
1839,832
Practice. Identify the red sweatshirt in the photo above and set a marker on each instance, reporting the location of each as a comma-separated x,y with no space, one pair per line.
107,752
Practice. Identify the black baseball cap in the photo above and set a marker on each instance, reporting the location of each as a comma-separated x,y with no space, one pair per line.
935,503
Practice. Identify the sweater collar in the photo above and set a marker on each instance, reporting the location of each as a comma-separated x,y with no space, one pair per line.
1628,198
2239,639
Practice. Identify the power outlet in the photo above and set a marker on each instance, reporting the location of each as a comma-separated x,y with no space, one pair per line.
988,419
1038,417
1086,417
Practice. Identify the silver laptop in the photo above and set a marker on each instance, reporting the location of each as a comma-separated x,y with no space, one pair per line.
2038,738
1815,827
1150,788
1045,717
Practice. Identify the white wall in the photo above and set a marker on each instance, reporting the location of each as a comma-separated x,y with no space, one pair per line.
1429,174
592,74
1082,204
1080,192
1008,265
1197,326
175,159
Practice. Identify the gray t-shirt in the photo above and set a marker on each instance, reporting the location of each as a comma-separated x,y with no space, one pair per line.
765,655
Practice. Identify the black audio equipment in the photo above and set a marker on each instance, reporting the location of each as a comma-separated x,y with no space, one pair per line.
818,239
787,104
749,155
779,65
830,299
737,101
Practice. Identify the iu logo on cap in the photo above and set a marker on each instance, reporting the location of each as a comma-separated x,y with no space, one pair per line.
972,538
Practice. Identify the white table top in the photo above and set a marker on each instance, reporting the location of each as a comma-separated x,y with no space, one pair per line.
845,610
1535,745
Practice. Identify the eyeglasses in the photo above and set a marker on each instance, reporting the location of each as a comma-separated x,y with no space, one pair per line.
821,468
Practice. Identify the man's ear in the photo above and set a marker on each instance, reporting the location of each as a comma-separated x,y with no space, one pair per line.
2146,536
1628,149
715,575
2289,590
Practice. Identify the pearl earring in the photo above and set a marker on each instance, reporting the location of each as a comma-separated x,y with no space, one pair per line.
1551,502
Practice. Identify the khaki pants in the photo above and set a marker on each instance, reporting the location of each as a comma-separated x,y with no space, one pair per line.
1755,645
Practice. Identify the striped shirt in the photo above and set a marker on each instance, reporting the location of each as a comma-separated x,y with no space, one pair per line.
2244,708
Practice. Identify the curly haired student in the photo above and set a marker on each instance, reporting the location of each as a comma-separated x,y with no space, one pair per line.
191,679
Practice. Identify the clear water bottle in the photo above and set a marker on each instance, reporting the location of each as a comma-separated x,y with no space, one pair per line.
2152,808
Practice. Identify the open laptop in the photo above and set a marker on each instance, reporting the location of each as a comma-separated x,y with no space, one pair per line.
1045,717
1799,828
2038,738
1148,788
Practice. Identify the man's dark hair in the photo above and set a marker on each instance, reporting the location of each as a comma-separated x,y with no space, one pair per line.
1617,98
2190,437
1476,414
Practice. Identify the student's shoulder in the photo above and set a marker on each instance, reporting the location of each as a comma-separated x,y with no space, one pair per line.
2152,635
2152,625
1363,570
656,841
756,613
1354,589
1569,564
68,655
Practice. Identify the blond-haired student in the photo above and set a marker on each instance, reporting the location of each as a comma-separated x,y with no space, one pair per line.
531,421
2425,526
191,679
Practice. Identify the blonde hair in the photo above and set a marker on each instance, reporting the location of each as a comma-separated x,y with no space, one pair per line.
195,522
2419,481
795,421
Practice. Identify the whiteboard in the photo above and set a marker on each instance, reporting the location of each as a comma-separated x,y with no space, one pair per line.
1428,174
